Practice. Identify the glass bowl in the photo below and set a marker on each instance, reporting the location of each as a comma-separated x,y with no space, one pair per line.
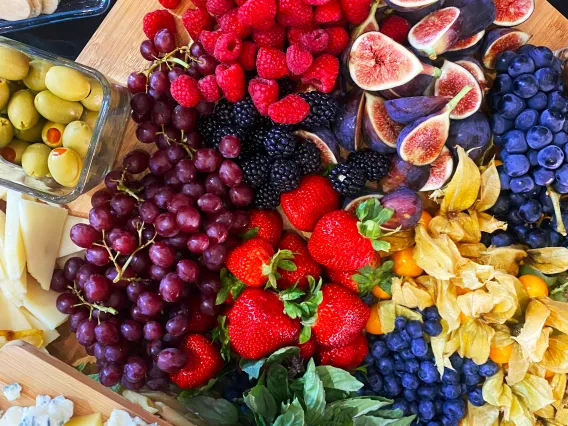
107,137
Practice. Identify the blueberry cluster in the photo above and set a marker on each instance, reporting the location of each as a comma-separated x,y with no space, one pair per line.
401,366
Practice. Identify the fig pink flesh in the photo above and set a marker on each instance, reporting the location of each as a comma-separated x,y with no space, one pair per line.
427,140
453,80
440,171
509,41
476,71
513,12
436,31
387,129
466,42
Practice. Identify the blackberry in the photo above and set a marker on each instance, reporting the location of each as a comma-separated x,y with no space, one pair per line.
323,109
308,157
347,179
286,87
207,126
256,169
284,174
267,197
224,130
224,112
279,142
373,164
245,114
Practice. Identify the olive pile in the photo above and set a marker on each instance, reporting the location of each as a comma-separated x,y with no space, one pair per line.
47,116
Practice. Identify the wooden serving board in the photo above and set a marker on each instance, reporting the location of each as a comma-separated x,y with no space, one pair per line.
41,374
114,51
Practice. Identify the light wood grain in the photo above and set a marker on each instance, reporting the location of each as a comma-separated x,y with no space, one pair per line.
41,374
114,50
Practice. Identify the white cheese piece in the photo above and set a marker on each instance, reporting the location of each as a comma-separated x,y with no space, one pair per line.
66,246
41,305
16,10
42,226
10,316
48,335
12,417
60,262
12,392
122,418
2,235
16,289
14,250
46,412
49,6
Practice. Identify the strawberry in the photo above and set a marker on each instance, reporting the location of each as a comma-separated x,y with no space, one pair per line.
396,28
265,224
308,349
203,362
363,280
198,322
258,325
341,317
355,11
347,357
305,265
305,205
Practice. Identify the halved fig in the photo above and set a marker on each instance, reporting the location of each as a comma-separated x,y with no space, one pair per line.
513,12
476,69
440,171
351,204
454,78
499,40
434,34
477,15
380,132
407,110
348,124
402,173
421,142
407,206
325,140
473,134
413,16
465,46
415,87
409,5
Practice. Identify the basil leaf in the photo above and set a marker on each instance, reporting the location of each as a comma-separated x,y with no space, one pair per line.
261,401
379,421
216,412
277,383
283,353
314,395
336,378
293,415
252,366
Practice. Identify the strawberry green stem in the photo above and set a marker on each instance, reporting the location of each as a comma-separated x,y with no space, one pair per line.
452,104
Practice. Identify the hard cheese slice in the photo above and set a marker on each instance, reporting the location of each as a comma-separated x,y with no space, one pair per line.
10,316
15,290
48,335
14,250
2,234
42,226
41,305
66,246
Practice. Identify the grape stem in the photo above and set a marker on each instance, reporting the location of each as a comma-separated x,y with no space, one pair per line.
92,306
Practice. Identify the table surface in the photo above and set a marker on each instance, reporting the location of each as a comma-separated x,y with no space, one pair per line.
114,50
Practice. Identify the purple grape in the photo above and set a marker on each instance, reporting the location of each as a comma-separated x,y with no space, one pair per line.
137,83
197,243
206,64
210,203
153,330
187,270
159,82
184,118
86,332
66,303
101,198
171,360
59,281
214,184
147,132
85,235
149,304
136,161
175,153
162,113
159,163
142,103
171,288
215,254
230,146
76,318
188,219
242,195
84,273
207,160
97,288
179,201
135,368
165,41
193,189
106,333
110,375
131,330
217,233
148,50
230,173
177,326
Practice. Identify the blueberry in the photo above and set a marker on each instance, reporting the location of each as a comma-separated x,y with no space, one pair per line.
446,421
391,386
531,211
525,85
543,176
410,381
525,49
428,392
542,56
375,382
505,179
407,354
538,101
409,394
450,376
450,391
547,78
402,405
427,356
379,349
557,101
532,155
432,328
503,60
414,329
399,367
539,136
552,119
500,124
470,367
439,405
555,238
562,174
411,365
501,206
457,361
521,64
397,357
431,313
464,389
433,423
400,323
537,238
413,407
516,165
428,372
385,365
232,394
556,65
510,105
472,379
522,184
405,336
488,369
361,377
513,216
454,409
520,232
476,397
502,239
560,139
395,342
419,347
504,84
551,157
426,410
526,119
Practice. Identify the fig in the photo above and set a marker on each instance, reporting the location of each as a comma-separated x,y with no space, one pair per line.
434,34
476,69
477,15
407,206
465,46
440,171
407,110
454,78
415,87
380,131
473,134
421,142
402,173
409,5
351,203
348,124
325,140
413,16
513,12
499,40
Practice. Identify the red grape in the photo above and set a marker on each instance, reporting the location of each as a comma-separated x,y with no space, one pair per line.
122,204
178,201
100,218
171,360
97,288
148,50
207,160
188,219
131,330
110,375
186,171
230,173
214,184
184,118
101,198
149,304
230,146
86,332
85,235
210,203
66,302
241,195
106,333
136,161
171,288
153,330
177,326
142,103
59,282
166,225
147,132
187,270
137,82
197,243
97,255
193,189
159,163
165,41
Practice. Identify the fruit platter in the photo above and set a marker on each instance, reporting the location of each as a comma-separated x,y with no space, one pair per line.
322,212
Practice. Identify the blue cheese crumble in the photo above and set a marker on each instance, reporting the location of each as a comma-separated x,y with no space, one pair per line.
12,392
122,418
46,412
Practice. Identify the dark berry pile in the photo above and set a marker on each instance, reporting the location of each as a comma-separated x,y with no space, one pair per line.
349,178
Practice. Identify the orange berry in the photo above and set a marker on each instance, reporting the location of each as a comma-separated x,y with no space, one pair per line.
498,163
502,354
374,323
380,293
462,290
404,263
548,374
534,285
425,218
463,317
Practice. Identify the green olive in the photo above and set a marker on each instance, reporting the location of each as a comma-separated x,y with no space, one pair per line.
77,136
56,109
35,80
52,134
65,166
4,94
67,83
94,101
34,160
90,117
6,132
21,110
14,65
13,152
31,135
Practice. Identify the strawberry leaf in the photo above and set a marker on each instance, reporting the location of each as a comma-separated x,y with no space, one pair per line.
305,334
287,265
291,293
229,285
282,259
368,277
379,245
372,215
250,234
221,335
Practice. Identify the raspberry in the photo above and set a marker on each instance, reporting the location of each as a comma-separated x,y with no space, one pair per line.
294,34
259,14
289,110
231,80
185,91
396,28
169,4
271,63
338,40
240,2
355,11
327,13
208,40
294,13
263,93
274,37
323,73
315,41
209,88
199,3
158,20
230,23
195,21
219,7
298,59
316,2
248,56
228,48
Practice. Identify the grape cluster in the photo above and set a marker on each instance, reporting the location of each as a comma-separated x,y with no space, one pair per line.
401,366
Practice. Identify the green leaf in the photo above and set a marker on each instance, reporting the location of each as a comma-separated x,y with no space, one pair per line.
369,229
252,366
314,395
292,310
353,407
282,354
81,367
261,401
221,335
337,378
379,421
388,413
332,395
251,233
291,294
287,265
293,415
379,245
305,334
216,412
384,216
238,289
277,383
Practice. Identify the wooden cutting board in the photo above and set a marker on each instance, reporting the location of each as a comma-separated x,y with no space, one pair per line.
41,374
114,51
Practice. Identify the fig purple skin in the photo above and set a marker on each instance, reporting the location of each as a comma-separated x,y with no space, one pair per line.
404,174
350,203
348,123
473,134
434,34
413,16
415,87
477,15
407,110
407,206
380,132
325,140
475,43
499,40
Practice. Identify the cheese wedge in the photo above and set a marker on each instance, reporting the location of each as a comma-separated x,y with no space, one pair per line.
14,250
2,233
41,305
42,226
49,6
16,289
16,10
11,318
66,246
95,419
48,335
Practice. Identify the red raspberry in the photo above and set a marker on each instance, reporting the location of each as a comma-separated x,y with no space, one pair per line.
291,109
169,4
338,40
185,91
294,13
329,12
263,93
209,88
315,41
259,14
228,48
298,59
323,73
355,11
231,80
219,7
230,23
248,56
158,20
199,3
274,37
271,63
294,34
195,21
240,2
396,28
208,40
316,2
